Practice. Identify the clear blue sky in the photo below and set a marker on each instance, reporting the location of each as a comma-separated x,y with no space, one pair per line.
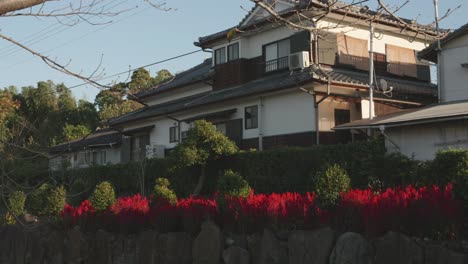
141,36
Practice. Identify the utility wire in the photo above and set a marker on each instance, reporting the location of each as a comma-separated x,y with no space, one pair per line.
144,66
50,32
80,37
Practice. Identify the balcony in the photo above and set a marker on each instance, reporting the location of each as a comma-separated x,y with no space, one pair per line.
417,71
277,64
237,72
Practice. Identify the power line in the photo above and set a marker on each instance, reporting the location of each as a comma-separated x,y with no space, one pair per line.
80,37
50,32
144,66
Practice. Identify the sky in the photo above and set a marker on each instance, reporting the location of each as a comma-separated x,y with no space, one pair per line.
140,36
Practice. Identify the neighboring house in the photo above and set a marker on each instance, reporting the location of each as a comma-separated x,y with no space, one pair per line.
271,86
99,148
420,133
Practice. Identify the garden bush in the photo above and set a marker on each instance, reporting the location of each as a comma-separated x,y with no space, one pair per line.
16,201
55,201
329,184
231,184
37,199
163,192
103,196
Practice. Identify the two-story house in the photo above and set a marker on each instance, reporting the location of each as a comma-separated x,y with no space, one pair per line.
270,85
420,133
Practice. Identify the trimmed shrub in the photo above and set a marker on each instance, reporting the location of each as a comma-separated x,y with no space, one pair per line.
36,200
15,203
55,201
231,184
329,184
103,196
162,191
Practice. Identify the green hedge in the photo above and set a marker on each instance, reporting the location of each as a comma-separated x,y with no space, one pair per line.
278,170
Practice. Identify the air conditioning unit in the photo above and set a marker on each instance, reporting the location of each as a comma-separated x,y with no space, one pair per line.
299,60
155,151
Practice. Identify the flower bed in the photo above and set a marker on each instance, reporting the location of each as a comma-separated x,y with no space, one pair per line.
425,211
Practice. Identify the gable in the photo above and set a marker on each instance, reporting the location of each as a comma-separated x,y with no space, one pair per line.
258,13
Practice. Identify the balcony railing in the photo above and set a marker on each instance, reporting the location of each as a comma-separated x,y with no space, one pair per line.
277,64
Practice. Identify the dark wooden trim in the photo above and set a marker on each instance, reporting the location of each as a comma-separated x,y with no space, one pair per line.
302,139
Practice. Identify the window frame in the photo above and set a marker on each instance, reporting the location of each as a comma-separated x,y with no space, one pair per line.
254,123
173,134
277,42
228,51
223,49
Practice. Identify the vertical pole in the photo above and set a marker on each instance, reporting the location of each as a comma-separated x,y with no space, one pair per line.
371,72
260,127
439,48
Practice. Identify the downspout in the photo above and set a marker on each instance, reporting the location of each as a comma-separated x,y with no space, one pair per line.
260,127
316,105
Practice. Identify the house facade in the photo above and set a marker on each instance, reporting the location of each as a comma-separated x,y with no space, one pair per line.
420,133
99,148
268,85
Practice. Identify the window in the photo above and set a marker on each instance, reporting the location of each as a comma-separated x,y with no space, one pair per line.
276,55
233,51
251,117
173,134
220,56
221,127
99,157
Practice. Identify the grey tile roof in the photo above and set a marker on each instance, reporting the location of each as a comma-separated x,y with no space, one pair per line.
430,53
424,115
399,85
339,7
263,85
195,74
97,139
267,84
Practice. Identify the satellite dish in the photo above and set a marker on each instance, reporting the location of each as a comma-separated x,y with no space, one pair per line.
383,84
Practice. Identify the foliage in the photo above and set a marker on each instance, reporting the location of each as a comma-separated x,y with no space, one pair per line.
103,196
71,132
15,203
113,110
37,199
231,184
161,191
203,144
425,211
329,184
55,201
452,166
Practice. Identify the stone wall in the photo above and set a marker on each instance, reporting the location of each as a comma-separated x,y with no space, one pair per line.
47,244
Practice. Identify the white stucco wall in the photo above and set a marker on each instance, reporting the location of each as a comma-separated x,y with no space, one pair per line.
285,113
327,113
423,141
454,78
55,162
177,93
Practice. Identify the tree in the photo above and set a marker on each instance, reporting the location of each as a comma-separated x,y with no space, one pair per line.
203,144
114,110
71,132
